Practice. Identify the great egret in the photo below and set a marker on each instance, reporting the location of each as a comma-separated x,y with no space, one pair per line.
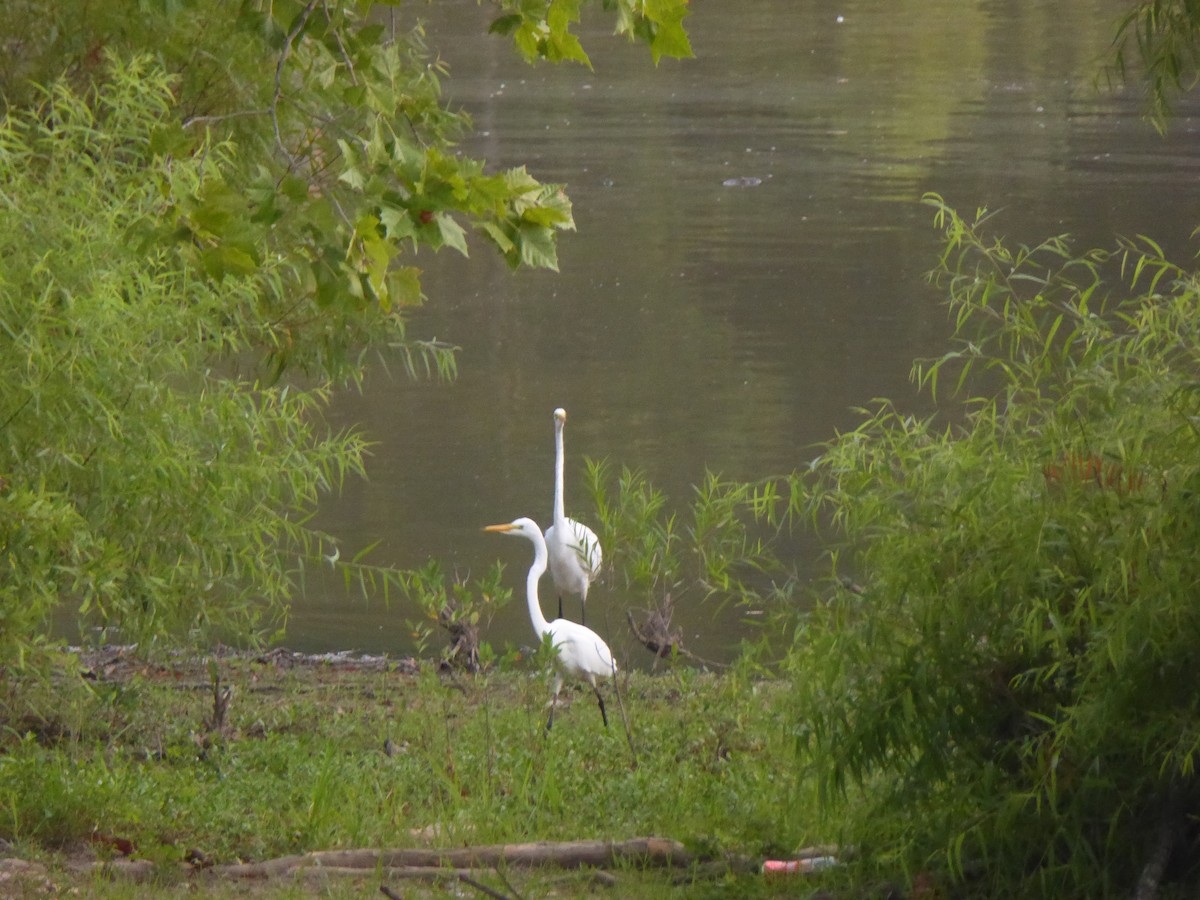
575,555
580,652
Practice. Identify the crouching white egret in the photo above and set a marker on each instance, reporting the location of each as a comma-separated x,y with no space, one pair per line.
580,652
575,555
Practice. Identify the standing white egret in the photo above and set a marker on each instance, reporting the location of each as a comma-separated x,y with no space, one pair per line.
575,555
580,652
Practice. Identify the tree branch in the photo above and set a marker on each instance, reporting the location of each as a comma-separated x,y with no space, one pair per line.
296,28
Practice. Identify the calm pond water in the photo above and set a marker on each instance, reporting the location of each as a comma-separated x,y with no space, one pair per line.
749,263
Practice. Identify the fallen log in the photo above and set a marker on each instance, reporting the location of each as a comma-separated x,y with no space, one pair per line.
652,852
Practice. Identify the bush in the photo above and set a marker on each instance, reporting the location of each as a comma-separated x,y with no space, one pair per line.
1002,674
140,479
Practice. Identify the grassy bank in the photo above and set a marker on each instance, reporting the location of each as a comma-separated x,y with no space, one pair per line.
139,762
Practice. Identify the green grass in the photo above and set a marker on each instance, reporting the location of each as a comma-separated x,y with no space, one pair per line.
300,765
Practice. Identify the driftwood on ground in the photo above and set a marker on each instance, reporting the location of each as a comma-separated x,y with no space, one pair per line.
656,634
585,859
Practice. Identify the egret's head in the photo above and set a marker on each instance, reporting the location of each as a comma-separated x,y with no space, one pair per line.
560,415
522,527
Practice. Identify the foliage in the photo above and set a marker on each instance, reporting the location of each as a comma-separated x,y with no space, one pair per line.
718,549
462,610
1166,35
715,552
139,483
541,29
346,154
1006,682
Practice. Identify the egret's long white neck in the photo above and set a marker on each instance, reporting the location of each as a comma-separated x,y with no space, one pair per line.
559,511
540,625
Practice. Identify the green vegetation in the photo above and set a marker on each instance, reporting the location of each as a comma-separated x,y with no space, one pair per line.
991,693
140,482
463,610
1002,681
327,756
714,552
1161,39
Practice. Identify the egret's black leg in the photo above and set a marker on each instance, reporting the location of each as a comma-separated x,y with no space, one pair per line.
554,700
603,714
582,612
560,606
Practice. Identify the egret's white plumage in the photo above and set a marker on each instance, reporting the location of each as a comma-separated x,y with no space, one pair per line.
575,555
581,653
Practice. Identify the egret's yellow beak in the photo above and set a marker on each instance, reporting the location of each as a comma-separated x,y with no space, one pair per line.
508,526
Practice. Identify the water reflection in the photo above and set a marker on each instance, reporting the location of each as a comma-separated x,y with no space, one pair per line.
699,325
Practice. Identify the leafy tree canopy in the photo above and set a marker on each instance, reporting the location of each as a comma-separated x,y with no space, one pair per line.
345,151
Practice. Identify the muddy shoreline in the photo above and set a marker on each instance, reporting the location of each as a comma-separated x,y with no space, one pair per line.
120,661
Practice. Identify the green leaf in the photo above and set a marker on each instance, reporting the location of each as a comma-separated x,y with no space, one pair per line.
351,172
498,237
225,260
267,212
171,140
505,25
560,44
219,210
397,222
294,188
404,286
565,47
537,247
671,40
451,232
